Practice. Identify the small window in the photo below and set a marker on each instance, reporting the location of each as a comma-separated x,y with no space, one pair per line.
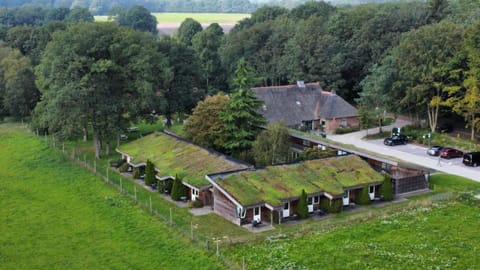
285,206
256,211
344,122
316,199
310,200
345,194
371,189
306,142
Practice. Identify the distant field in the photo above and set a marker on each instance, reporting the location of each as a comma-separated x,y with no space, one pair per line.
55,215
203,18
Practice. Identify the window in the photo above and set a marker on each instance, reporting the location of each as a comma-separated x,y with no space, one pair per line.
286,206
386,166
371,189
306,142
344,122
316,199
345,194
310,200
256,211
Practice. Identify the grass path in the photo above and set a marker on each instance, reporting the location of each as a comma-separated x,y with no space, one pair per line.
55,215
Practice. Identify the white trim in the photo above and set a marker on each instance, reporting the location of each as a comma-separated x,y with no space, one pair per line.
286,210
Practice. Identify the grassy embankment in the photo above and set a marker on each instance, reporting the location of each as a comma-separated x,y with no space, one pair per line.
203,18
56,215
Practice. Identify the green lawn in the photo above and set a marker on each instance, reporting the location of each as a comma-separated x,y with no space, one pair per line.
206,18
55,215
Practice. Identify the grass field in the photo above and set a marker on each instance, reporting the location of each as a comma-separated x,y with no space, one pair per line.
204,18
55,215
443,236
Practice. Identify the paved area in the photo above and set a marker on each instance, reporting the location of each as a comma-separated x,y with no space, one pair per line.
409,153
260,228
201,211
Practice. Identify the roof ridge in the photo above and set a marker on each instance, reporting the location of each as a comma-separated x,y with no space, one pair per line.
285,86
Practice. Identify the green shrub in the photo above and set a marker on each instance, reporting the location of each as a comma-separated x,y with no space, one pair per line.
116,163
124,167
178,189
302,208
136,173
344,130
363,197
386,189
149,173
195,204
331,206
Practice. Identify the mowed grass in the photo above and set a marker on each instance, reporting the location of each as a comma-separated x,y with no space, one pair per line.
442,235
55,215
204,18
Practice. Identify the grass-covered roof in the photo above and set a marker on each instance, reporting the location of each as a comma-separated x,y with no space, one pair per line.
173,156
275,183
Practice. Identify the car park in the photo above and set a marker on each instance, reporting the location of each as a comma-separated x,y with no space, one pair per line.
450,153
434,150
395,140
471,159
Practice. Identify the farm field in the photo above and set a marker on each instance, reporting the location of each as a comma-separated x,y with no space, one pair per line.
56,215
203,18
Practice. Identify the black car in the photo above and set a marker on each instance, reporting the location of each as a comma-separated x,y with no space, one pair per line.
434,150
471,159
395,140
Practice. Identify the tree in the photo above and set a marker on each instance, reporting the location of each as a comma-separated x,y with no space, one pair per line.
386,189
240,117
97,77
204,126
188,28
469,104
149,173
302,208
138,18
207,44
178,189
363,197
364,117
272,145
79,14
181,92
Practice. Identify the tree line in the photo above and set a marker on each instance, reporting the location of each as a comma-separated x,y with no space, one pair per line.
78,77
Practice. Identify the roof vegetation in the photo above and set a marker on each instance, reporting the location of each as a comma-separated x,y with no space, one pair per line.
173,156
275,183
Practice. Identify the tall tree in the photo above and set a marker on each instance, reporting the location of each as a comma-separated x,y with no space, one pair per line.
188,28
98,76
79,14
272,145
302,208
138,18
240,118
204,126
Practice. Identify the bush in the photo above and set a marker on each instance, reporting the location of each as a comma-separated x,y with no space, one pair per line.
195,204
178,189
345,130
386,188
149,173
116,163
136,173
302,208
331,206
123,167
363,197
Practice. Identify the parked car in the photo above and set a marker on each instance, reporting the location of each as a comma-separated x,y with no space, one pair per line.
396,139
434,150
450,153
471,159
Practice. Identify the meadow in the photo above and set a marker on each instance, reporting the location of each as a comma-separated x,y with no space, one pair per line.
56,215
203,18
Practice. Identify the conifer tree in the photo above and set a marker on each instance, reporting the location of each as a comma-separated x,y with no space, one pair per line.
386,188
178,189
149,173
302,208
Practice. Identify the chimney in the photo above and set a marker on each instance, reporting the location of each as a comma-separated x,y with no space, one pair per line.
301,84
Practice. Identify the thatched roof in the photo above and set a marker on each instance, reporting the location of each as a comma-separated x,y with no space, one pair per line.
294,104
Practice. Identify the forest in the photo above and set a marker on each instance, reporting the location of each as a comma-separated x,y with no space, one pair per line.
68,73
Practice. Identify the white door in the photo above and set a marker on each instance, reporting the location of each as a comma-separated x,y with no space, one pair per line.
371,192
257,214
310,204
286,209
194,194
346,198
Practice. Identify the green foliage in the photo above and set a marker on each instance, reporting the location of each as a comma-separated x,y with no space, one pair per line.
302,208
309,153
138,18
188,28
272,145
386,189
117,163
124,167
195,204
331,206
204,126
363,197
344,130
178,189
149,173
136,173
240,117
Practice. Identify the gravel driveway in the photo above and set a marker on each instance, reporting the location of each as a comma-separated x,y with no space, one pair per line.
410,153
